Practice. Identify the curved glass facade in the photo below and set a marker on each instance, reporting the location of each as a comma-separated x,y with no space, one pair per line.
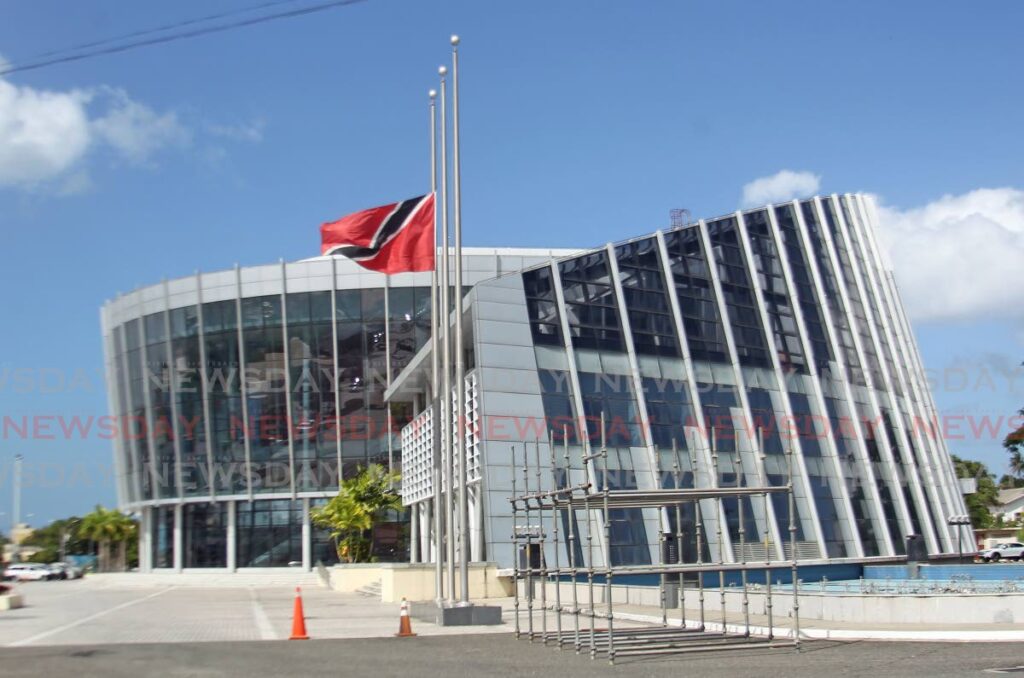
246,395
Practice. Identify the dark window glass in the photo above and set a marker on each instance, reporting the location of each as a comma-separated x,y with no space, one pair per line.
646,302
269,533
156,331
162,536
349,305
774,293
738,294
542,307
262,311
833,295
695,291
843,431
204,535
611,396
669,413
590,307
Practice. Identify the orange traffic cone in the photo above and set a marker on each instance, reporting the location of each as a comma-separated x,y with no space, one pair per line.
298,618
404,625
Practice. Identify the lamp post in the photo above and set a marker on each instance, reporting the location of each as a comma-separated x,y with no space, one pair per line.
65,534
959,521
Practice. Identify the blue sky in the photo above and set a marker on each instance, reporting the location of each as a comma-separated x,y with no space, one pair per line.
583,122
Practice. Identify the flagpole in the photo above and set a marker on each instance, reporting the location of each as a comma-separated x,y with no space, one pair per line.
387,371
434,358
460,359
446,397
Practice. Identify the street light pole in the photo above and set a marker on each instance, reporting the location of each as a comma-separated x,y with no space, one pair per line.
959,521
65,534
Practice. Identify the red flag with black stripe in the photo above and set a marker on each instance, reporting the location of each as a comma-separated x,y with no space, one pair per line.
395,238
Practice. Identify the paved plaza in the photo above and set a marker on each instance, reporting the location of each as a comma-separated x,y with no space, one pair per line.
497,655
92,611
107,627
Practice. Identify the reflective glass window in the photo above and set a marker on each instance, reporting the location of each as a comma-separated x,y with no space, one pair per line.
738,294
695,291
590,306
645,298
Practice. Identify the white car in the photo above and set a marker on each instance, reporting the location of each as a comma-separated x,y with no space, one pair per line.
28,572
1009,551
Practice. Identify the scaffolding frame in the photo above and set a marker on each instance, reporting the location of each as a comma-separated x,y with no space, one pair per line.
531,567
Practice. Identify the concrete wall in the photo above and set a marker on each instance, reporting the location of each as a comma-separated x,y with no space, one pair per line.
415,581
1007,608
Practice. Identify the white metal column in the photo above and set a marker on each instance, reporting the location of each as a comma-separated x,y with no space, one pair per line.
179,554
307,536
232,536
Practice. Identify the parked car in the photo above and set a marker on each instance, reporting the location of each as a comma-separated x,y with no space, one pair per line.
1009,551
28,572
64,571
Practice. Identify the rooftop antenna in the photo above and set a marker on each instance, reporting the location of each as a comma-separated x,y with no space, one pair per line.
679,217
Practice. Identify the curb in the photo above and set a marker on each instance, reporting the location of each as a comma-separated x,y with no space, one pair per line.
812,633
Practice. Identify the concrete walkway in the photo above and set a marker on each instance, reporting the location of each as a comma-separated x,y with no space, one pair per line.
101,611
194,608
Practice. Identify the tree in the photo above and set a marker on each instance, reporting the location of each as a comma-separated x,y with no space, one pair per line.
1008,482
109,527
352,515
48,540
986,494
1014,444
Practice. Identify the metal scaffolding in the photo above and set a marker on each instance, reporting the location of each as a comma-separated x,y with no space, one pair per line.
537,514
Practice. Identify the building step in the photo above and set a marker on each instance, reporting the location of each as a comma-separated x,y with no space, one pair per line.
372,590
269,578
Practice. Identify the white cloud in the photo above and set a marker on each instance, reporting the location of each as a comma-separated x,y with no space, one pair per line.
780,187
959,257
42,134
137,131
46,136
251,131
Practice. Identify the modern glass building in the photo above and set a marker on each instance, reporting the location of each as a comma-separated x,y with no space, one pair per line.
245,395
739,351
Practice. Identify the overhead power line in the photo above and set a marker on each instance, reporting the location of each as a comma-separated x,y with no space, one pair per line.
160,29
173,37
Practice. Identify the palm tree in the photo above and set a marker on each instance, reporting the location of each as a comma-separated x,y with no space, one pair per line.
107,527
352,515
1014,444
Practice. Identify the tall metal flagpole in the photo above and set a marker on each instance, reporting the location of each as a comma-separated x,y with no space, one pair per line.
460,359
446,396
435,388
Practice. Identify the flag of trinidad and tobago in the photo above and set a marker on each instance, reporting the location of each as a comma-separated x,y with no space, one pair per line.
392,238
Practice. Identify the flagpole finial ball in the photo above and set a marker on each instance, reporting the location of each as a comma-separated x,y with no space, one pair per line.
455,40
443,70
432,93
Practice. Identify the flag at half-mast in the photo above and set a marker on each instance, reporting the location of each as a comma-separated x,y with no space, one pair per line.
395,238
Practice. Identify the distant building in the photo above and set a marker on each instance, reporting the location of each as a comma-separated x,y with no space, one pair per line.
16,549
1011,505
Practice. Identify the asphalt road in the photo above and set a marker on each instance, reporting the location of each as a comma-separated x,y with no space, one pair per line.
496,655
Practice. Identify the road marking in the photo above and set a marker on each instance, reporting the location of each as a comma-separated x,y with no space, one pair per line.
84,620
259,616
